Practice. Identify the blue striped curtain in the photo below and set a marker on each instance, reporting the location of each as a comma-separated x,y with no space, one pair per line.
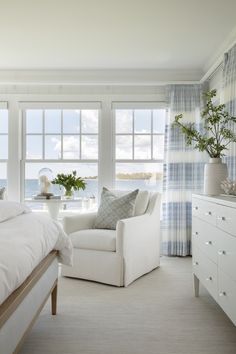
229,94
183,171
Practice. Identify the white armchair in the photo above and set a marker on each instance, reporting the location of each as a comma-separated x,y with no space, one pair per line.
120,256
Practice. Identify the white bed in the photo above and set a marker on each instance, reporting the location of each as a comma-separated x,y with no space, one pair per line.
30,246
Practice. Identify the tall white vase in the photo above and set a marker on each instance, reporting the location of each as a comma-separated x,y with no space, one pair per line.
214,173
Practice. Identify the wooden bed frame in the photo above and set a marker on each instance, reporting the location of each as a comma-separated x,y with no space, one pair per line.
8,307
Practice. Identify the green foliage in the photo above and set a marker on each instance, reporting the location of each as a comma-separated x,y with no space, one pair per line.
217,134
69,182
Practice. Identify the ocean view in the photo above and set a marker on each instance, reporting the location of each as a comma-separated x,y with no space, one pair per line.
32,187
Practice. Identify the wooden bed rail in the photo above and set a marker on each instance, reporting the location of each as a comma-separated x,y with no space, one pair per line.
13,301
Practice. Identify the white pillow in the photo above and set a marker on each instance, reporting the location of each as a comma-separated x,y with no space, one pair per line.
9,210
141,202
113,208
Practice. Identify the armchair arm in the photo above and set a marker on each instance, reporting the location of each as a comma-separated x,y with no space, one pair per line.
138,243
135,232
78,222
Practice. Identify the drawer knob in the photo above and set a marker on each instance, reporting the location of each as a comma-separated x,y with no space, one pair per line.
222,218
221,253
208,243
196,208
209,278
195,233
208,213
195,263
222,293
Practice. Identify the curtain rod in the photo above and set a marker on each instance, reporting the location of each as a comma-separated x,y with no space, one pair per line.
219,66
211,72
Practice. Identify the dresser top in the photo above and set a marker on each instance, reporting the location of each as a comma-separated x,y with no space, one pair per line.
229,201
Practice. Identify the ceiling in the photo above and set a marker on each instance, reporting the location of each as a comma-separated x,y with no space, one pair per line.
113,34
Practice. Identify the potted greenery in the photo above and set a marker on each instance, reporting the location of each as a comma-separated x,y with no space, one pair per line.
70,182
214,138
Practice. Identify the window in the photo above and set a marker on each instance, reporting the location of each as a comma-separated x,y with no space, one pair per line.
89,171
61,134
139,148
3,144
63,140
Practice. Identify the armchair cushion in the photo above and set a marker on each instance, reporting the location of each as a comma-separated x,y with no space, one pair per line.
94,239
113,209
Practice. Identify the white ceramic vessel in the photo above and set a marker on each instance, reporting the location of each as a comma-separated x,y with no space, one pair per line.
214,173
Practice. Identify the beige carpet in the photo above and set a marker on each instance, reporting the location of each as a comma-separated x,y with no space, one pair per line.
157,314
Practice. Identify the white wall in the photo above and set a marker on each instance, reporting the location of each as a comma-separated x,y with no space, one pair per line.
216,82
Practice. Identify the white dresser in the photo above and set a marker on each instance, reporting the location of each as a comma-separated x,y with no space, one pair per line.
214,249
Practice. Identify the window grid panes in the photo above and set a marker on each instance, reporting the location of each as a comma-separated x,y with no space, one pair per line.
3,147
88,171
63,140
3,134
139,148
66,134
139,134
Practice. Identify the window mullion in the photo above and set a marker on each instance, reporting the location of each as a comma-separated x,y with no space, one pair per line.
62,140
80,140
24,135
152,134
133,134
43,140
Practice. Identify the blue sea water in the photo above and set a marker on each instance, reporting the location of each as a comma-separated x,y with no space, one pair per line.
3,183
32,188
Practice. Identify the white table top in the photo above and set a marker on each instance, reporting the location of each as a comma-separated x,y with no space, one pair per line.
62,200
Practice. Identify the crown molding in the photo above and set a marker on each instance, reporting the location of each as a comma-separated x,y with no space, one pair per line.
216,60
98,77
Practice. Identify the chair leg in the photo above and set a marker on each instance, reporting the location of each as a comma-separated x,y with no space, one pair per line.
54,300
196,285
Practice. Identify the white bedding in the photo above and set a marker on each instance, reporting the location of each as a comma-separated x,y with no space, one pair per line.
24,241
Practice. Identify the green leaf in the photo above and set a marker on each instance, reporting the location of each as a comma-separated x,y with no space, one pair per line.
69,181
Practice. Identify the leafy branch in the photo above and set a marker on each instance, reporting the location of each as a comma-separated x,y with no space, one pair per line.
216,123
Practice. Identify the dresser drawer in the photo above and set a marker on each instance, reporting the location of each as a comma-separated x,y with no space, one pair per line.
227,295
205,236
226,219
227,255
204,210
206,271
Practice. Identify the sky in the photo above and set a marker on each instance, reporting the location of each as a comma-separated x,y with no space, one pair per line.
142,125
72,123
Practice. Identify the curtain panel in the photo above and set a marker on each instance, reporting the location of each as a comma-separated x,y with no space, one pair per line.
229,94
183,171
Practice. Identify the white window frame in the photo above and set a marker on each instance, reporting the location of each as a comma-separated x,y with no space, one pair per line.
53,96
133,106
24,106
4,105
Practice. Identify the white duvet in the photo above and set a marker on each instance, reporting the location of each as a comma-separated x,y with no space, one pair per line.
24,241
